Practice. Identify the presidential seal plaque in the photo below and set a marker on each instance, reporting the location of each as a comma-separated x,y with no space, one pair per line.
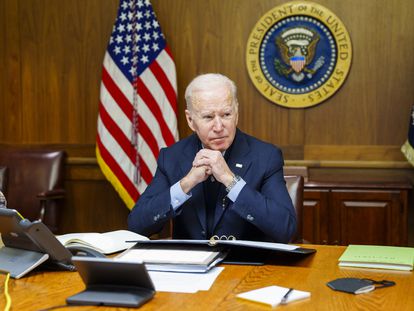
298,54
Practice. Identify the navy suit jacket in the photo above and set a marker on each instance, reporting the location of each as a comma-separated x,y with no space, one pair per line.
263,210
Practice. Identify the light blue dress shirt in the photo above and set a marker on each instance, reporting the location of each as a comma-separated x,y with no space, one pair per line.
178,196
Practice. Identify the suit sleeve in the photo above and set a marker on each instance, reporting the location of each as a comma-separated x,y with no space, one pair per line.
269,207
153,209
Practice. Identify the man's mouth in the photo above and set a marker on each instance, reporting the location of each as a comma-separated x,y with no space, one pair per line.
218,138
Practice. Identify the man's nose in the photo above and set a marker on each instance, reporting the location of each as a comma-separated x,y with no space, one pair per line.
218,123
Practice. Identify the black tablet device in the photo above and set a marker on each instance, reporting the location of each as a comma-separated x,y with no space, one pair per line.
112,282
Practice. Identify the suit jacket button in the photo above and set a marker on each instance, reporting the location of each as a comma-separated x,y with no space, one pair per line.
250,217
203,233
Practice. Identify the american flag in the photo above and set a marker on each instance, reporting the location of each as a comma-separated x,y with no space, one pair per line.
138,100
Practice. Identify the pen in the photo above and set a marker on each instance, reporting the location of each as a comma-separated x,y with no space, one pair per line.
286,296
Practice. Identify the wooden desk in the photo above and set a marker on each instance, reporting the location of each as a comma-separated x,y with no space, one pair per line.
46,289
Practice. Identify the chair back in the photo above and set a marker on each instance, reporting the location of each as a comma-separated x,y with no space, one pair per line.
296,170
31,174
3,179
295,186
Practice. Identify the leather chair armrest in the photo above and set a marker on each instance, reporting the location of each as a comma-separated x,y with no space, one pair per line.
300,241
52,194
47,196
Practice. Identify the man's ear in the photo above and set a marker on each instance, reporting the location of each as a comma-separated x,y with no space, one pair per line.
236,107
189,119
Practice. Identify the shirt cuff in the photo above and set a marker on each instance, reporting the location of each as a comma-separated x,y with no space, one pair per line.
178,196
234,192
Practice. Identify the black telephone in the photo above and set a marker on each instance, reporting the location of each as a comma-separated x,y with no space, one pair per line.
20,233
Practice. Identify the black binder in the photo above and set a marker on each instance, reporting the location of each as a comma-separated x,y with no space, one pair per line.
112,283
238,251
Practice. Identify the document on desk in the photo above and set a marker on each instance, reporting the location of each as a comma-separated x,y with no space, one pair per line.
379,257
237,251
233,244
179,282
241,243
173,259
274,295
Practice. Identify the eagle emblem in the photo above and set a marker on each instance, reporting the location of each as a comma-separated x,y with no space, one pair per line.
297,46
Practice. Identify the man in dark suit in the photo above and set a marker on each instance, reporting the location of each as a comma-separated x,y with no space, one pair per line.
218,181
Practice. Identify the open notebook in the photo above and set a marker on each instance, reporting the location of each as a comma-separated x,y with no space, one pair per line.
105,243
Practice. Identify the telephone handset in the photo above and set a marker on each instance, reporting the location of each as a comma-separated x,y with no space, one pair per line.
81,251
33,236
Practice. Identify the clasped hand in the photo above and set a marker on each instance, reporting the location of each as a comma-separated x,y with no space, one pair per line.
206,163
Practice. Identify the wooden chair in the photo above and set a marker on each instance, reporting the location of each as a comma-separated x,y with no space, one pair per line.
3,184
295,171
35,183
295,186
3,179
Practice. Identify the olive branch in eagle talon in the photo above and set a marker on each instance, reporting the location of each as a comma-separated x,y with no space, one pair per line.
282,70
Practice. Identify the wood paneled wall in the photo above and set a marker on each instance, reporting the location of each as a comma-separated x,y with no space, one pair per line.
50,65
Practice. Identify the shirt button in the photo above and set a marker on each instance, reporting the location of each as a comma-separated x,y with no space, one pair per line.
176,201
250,217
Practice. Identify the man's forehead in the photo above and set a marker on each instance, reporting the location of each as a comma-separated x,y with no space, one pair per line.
218,96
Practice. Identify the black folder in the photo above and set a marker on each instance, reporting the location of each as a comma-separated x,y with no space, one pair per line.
112,283
238,251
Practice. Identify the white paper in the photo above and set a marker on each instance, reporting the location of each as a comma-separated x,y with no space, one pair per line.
272,295
266,245
181,256
184,282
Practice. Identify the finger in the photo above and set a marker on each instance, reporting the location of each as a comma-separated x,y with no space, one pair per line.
202,162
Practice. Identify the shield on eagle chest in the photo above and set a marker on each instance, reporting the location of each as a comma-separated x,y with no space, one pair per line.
297,63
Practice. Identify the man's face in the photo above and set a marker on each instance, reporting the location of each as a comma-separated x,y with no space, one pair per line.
213,117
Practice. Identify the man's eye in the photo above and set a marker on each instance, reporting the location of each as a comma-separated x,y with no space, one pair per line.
207,117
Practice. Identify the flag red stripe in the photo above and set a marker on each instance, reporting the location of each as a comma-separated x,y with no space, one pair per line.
149,138
145,171
122,177
117,94
156,111
117,170
126,107
165,84
117,133
167,49
123,140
